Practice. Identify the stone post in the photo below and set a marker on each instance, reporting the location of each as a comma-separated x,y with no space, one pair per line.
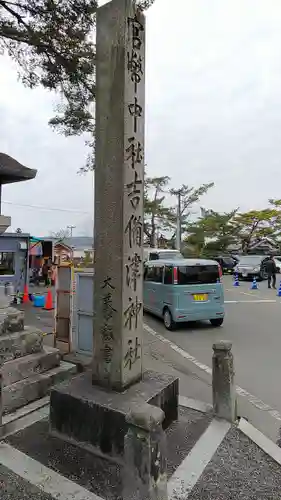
119,184
224,393
145,476
1,395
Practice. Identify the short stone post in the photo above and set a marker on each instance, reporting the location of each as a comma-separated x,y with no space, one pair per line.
145,475
1,396
224,393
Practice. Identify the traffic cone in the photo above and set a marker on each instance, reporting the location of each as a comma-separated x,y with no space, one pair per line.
279,291
49,301
25,297
254,285
236,280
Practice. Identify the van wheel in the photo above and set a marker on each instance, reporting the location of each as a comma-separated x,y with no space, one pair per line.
168,320
216,321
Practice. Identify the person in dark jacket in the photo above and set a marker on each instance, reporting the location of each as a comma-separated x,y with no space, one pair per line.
270,269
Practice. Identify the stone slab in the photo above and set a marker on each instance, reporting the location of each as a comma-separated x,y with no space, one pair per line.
79,401
17,344
22,368
239,470
13,487
35,387
98,475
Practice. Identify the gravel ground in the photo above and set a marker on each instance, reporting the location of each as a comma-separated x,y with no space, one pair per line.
13,487
97,475
239,470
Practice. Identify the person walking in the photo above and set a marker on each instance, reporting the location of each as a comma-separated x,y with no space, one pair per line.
45,273
270,269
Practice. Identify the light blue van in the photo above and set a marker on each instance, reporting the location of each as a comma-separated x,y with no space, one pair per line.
184,290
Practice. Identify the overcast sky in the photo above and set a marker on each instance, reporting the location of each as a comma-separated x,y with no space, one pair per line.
213,113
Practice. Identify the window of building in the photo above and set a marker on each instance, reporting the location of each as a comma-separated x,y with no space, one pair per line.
7,263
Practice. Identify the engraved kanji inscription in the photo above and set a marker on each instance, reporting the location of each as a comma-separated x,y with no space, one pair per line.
132,354
134,190
107,351
135,67
108,311
136,112
131,314
107,284
134,231
133,269
134,152
137,29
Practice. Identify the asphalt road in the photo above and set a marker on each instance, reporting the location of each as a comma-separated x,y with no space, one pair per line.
253,324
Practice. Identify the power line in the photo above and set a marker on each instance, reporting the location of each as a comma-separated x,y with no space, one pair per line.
52,209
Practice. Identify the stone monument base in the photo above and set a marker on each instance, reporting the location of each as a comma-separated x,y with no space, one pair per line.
94,418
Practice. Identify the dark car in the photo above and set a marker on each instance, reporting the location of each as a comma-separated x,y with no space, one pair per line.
227,263
251,266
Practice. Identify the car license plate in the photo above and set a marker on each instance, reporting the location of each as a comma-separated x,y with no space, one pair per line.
244,275
201,297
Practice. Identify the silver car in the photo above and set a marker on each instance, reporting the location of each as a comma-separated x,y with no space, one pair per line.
251,266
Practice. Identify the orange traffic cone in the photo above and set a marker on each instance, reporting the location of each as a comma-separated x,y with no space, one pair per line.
49,301
25,298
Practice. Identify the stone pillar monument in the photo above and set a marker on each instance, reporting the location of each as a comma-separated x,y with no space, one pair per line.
119,182
91,410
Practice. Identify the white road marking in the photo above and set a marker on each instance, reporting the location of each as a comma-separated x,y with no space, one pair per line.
254,301
192,467
42,477
258,403
261,440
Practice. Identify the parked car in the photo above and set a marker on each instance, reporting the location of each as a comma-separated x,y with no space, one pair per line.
251,266
180,290
227,263
161,253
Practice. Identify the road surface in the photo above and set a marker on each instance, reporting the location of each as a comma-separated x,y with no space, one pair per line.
253,324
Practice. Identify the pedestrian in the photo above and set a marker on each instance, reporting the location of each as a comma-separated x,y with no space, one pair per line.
53,274
270,269
45,273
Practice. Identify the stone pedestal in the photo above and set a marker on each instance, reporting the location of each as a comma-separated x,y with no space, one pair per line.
95,418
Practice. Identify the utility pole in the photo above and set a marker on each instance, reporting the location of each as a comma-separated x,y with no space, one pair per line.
71,229
178,193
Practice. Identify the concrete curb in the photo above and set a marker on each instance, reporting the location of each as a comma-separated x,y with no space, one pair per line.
24,417
195,404
263,442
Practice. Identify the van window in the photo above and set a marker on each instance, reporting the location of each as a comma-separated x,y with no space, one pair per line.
154,274
159,274
154,256
194,275
168,277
